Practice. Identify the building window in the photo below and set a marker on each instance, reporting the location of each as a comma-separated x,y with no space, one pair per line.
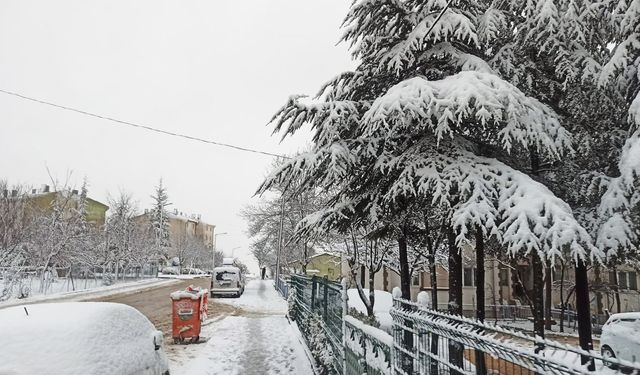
469,277
415,279
626,280
503,277
633,281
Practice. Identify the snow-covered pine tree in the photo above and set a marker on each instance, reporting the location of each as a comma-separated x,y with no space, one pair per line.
413,121
619,232
557,56
159,220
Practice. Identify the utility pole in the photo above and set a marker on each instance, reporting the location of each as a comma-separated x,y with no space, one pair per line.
280,239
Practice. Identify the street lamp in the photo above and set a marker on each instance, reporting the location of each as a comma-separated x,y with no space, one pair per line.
215,243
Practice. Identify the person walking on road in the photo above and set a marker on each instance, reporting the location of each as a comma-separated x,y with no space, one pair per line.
263,271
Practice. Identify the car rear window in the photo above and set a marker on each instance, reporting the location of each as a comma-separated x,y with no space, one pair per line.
226,275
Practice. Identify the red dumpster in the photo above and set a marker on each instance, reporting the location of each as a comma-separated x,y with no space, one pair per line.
190,309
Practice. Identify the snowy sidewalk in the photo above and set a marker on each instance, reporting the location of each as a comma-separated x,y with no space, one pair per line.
263,342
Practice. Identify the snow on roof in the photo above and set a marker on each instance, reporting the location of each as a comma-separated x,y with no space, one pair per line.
77,338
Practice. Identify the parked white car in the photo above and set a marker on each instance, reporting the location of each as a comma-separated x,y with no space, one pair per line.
79,338
621,337
227,280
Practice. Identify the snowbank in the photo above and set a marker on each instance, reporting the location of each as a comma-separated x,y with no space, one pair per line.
381,307
78,338
99,291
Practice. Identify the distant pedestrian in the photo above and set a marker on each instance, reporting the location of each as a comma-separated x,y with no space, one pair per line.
263,271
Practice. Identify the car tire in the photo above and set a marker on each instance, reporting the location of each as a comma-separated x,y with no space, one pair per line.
607,352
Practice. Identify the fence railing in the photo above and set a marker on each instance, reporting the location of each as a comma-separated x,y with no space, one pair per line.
434,342
321,298
282,286
425,341
367,349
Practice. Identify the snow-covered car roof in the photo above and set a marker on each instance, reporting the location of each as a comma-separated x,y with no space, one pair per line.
627,315
78,338
226,269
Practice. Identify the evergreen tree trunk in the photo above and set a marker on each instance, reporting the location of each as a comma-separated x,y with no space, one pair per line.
372,294
538,297
455,296
583,309
538,269
405,275
481,367
405,287
547,298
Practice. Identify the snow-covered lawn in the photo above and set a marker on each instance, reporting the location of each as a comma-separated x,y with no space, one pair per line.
262,342
92,290
381,307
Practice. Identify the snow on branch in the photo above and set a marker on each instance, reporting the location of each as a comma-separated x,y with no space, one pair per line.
452,26
480,98
617,232
300,110
521,213
320,167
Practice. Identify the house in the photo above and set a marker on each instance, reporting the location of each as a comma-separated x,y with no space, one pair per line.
322,265
507,282
182,229
41,200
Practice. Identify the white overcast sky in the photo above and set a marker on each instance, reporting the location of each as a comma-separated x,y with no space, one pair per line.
212,69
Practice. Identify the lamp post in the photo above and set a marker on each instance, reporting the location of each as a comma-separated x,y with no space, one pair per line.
215,243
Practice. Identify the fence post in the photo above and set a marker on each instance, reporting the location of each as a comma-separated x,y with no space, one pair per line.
326,295
345,309
313,292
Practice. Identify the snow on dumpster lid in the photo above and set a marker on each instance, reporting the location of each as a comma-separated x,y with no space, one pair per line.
193,294
75,338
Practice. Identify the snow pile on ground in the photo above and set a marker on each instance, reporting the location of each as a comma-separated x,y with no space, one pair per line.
77,338
181,277
98,291
381,307
258,296
66,285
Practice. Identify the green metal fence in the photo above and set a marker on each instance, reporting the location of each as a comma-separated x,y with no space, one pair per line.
367,349
315,296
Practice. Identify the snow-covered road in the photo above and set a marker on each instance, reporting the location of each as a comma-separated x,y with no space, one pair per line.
258,341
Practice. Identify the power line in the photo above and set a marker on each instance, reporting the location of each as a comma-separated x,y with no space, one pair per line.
145,127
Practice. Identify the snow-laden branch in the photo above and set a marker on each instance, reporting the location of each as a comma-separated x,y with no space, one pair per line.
617,231
452,25
521,213
480,98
